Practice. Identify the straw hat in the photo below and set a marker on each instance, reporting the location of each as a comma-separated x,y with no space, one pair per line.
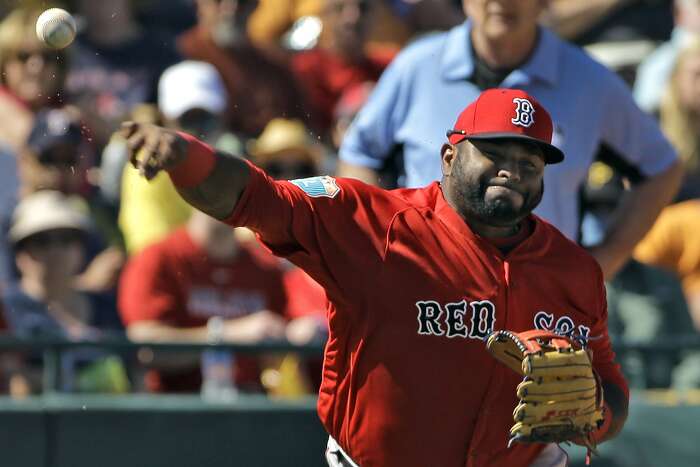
283,138
47,210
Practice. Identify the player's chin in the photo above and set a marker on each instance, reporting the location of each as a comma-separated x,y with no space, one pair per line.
502,213
504,198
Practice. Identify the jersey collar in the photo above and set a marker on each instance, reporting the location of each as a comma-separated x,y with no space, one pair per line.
457,62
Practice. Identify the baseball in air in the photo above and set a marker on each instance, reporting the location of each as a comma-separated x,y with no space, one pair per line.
56,28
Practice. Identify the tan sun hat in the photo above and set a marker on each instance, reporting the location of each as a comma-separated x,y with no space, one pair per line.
284,138
47,210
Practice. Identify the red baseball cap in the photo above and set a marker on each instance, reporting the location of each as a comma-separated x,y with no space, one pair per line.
507,114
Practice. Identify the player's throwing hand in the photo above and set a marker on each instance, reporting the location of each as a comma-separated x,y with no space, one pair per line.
152,148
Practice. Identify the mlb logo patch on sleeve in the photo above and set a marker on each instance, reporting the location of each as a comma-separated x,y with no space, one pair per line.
317,187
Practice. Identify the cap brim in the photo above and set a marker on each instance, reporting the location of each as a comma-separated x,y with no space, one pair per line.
23,232
28,225
552,154
174,107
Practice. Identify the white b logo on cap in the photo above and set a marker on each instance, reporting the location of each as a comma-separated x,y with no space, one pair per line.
524,112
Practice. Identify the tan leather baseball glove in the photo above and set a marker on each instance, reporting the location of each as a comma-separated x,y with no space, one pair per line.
560,397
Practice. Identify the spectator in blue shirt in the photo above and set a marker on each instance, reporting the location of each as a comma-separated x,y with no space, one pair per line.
502,45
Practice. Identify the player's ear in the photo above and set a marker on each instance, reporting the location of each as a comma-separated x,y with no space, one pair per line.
448,154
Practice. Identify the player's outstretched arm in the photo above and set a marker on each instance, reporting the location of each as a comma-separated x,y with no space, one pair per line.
210,181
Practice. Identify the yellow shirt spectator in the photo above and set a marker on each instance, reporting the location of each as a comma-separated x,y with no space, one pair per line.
674,243
149,210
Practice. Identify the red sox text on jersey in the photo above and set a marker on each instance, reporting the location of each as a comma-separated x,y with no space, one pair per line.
476,319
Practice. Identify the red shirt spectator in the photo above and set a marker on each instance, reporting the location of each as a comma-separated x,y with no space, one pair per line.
341,58
177,283
260,85
305,296
326,75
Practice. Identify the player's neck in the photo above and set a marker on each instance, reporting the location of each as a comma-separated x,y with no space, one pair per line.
504,52
491,231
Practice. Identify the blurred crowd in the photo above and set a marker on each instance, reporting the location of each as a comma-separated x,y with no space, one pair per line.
89,249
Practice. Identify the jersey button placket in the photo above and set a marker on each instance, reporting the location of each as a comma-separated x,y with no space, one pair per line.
507,285
492,391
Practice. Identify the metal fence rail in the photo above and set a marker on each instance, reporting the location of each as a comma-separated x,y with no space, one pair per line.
119,344
52,349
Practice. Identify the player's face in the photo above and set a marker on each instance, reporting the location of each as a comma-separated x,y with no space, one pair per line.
495,183
498,18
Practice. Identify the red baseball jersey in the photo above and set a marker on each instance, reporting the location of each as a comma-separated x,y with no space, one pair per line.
174,281
407,379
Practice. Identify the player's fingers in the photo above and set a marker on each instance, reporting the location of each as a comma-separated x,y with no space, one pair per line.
148,159
127,129
155,160
134,144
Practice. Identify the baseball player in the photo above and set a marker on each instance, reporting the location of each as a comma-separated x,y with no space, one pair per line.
418,279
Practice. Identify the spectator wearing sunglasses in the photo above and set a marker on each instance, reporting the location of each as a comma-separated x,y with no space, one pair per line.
49,233
59,156
32,76
286,150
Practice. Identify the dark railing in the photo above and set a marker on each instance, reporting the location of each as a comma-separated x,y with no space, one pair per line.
52,349
124,345
662,344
